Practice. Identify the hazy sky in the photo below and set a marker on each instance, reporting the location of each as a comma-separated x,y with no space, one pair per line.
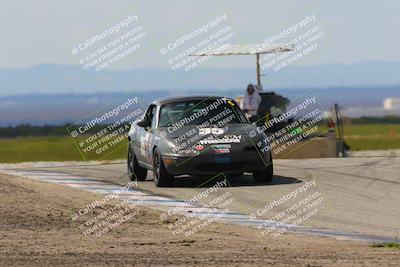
36,32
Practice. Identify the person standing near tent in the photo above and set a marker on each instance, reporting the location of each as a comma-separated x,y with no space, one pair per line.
250,102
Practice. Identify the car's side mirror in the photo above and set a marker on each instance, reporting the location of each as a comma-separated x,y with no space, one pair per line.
144,123
254,118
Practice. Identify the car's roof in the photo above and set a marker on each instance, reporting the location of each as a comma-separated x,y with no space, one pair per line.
183,98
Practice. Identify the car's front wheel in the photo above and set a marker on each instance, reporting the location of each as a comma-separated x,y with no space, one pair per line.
265,175
161,177
135,172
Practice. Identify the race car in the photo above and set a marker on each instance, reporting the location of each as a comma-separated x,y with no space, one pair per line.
197,136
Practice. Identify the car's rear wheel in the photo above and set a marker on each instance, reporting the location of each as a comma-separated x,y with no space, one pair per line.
135,172
161,177
265,175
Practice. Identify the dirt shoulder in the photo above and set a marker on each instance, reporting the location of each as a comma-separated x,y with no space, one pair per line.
36,229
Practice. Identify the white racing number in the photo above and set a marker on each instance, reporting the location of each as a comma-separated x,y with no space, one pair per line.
213,131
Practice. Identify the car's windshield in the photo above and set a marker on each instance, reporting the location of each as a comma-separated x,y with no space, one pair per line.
198,112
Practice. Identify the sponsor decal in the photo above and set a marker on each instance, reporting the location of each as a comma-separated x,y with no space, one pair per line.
226,139
199,148
231,103
222,149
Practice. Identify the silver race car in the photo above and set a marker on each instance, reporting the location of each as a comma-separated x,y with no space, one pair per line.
198,136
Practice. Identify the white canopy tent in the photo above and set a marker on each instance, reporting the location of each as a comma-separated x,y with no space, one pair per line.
250,49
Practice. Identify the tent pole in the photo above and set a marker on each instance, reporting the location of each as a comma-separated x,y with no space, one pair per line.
258,70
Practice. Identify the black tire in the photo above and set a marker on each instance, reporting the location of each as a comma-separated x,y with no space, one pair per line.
265,175
135,172
161,177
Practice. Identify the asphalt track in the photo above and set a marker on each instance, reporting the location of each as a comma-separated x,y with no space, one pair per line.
361,195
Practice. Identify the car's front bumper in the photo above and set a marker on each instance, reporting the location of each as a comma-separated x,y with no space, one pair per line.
209,163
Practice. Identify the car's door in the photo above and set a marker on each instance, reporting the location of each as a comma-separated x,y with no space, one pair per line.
145,137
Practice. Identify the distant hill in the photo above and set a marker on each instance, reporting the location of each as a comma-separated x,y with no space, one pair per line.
56,109
58,79
56,94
